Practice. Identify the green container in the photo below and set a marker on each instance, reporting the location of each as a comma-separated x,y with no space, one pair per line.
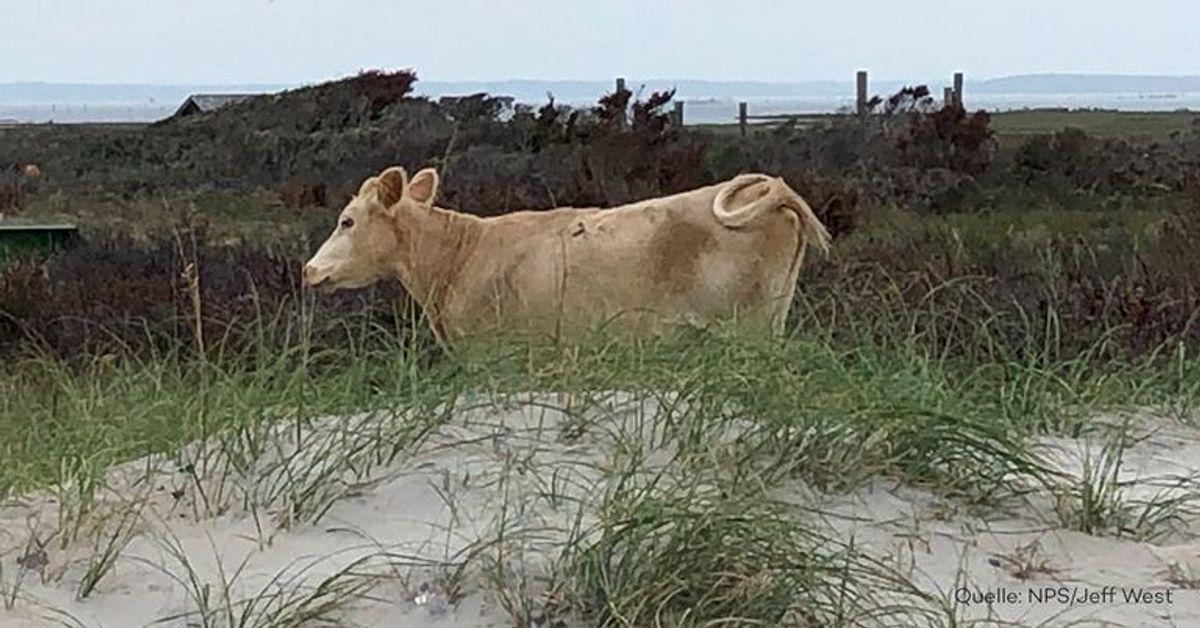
20,240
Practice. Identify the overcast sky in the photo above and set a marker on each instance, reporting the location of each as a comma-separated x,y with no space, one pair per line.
295,41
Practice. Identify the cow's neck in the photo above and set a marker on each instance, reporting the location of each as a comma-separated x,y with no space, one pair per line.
436,244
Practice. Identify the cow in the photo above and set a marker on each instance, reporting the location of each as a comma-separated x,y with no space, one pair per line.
725,252
16,181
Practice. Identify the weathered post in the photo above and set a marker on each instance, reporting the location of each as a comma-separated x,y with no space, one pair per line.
742,118
947,97
678,113
958,89
620,88
860,100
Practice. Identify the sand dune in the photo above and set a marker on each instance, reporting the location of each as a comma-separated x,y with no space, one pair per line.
527,470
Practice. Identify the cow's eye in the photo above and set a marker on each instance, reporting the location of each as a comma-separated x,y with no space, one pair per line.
347,223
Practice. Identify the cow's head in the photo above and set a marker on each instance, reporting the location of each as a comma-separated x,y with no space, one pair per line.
363,246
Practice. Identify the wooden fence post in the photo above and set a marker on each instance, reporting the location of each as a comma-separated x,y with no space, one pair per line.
947,97
620,88
678,113
860,101
742,118
958,89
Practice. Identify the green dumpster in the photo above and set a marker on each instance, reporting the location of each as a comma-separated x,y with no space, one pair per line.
20,239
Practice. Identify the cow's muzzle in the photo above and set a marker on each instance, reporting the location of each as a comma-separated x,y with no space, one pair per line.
314,277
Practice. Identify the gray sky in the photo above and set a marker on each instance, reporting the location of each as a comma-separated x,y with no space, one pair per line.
289,41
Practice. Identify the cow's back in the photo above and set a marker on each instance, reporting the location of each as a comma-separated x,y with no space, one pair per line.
634,267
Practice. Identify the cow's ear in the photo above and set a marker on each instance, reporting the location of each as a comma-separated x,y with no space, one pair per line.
424,186
368,186
392,183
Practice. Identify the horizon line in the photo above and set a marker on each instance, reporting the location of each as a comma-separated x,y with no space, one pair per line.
420,80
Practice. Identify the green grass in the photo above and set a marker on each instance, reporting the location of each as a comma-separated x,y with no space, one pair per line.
65,421
807,409
1013,126
229,217
1132,125
69,420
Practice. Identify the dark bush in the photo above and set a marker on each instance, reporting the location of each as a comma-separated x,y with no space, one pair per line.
297,195
1072,160
114,295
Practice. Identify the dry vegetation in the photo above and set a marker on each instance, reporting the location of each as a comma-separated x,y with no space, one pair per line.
181,184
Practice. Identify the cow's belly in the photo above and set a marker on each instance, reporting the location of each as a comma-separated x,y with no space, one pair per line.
615,289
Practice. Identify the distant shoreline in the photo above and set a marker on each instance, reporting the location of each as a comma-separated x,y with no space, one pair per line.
699,110
705,101
1049,83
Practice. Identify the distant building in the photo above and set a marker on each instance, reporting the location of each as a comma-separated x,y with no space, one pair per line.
204,103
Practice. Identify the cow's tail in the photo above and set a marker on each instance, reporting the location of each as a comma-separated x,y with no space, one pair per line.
772,193
814,232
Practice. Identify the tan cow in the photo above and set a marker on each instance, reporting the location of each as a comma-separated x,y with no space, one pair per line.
730,251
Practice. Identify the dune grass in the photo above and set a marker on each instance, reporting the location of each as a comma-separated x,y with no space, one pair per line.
286,436
65,422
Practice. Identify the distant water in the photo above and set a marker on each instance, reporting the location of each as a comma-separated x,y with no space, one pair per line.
696,111
37,113
725,110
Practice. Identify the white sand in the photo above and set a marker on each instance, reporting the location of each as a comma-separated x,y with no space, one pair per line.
1084,579
487,468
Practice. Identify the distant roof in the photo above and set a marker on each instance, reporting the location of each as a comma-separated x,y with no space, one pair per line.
18,226
211,102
